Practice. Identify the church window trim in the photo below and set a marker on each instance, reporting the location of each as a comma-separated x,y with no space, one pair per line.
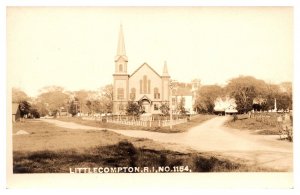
156,93
120,93
145,85
120,67
132,93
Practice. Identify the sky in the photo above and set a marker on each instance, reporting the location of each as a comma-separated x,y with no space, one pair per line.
74,47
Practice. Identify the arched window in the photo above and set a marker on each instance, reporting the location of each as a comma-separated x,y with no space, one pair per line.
156,93
145,85
120,93
132,93
120,67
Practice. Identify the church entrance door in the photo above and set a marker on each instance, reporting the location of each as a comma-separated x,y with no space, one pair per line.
146,106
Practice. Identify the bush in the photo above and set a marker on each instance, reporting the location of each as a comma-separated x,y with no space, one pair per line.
34,113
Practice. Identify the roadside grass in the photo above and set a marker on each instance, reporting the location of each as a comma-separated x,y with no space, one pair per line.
254,125
122,154
52,149
176,128
46,136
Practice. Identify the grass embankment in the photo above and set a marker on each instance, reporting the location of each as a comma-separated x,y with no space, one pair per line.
253,125
52,149
123,154
176,128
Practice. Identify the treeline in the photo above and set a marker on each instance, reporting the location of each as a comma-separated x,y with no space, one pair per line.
54,99
248,92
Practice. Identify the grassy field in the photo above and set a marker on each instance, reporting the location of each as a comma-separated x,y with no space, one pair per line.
176,128
46,136
253,124
51,149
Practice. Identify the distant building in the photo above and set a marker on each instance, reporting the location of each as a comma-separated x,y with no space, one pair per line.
185,93
16,114
225,105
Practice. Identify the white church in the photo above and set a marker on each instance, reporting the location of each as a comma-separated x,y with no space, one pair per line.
144,86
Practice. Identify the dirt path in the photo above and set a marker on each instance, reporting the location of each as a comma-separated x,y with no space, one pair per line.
70,125
212,136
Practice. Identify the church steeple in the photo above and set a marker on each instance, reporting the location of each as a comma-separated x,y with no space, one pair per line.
121,44
121,58
165,71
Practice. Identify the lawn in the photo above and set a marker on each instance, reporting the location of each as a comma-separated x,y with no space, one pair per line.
254,125
51,149
176,128
46,136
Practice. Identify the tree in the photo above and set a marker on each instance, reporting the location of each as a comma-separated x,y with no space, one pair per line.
165,109
107,98
54,97
284,101
24,107
133,108
206,96
41,108
18,95
244,89
74,107
180,106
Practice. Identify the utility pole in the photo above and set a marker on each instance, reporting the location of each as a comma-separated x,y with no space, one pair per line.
170,104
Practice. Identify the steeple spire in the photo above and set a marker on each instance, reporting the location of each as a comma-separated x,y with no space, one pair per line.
165,71
121,44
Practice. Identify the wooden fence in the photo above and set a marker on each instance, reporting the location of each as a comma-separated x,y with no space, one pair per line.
136,122
151,123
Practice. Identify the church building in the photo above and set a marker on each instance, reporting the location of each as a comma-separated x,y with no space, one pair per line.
144,86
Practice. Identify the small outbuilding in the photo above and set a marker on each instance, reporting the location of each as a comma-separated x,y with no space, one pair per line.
16,114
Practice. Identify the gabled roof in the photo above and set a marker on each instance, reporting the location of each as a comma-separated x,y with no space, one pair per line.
145,98
118,57
145,64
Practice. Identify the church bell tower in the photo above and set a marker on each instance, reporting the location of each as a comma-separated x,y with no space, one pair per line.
121,77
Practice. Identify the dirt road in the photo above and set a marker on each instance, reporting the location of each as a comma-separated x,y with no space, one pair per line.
212,136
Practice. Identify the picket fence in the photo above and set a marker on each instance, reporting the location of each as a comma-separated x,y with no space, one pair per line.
151,123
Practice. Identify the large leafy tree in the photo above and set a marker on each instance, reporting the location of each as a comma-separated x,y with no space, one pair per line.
244,89
18,95
53,97
206,96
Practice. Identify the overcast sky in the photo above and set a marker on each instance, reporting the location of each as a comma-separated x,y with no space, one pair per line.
75,47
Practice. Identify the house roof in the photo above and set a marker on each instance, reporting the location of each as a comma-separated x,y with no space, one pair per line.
145,64
15,108
180,91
